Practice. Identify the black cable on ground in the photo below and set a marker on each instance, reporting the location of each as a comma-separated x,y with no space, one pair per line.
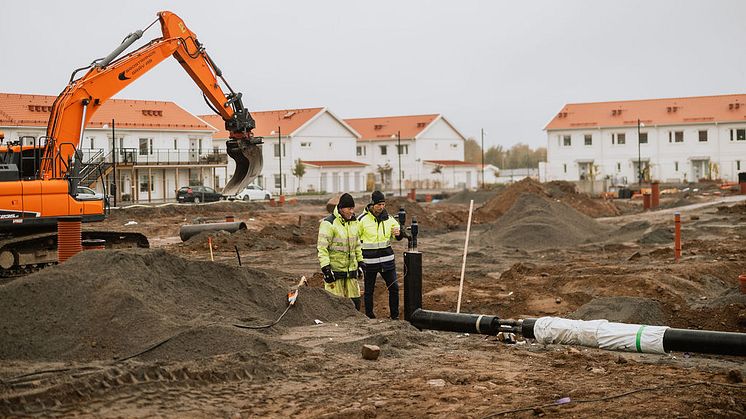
614,396
266,326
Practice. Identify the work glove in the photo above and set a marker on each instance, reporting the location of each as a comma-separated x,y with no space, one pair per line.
328,274
360,269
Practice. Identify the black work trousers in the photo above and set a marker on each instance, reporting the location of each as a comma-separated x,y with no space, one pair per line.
389,277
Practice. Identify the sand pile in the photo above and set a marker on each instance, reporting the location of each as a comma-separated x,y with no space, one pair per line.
112,304
272,236
559,190
537,222
635,310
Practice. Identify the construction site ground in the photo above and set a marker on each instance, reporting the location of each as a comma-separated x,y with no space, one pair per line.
151,332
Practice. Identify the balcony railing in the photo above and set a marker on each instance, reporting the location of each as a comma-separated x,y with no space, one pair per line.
126,156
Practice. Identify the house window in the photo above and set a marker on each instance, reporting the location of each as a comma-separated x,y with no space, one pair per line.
277,182
740,135
403,149
306,144
176,144
383,150
566,141
676,136
361,150
144,183
703,136
676,166
738,164
643,138
621,139
618,167
92,142
277,150
454,145
588,139
564,167
144,146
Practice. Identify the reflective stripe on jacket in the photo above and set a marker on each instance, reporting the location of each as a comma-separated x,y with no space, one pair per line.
376,234
338,245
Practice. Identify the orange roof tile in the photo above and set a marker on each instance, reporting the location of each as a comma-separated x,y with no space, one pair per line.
674,111
334,163
289,120
33,111
383,128
451,163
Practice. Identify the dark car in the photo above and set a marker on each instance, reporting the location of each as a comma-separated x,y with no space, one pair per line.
198,194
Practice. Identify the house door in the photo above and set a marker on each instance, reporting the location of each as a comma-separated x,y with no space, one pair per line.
700,169
468,180
194,150
335,182
585,170
322,183
346,181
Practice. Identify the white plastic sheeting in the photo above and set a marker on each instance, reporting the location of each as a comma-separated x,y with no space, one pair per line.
600,334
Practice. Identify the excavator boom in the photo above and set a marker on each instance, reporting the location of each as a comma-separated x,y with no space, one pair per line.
74,107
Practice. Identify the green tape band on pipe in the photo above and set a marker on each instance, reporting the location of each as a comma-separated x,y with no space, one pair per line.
637,340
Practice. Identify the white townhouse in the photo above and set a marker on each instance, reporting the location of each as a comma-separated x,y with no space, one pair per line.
669,140
322,142
421,151
159,146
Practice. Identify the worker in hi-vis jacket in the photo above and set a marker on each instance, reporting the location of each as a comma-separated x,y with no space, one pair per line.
377,228
339,252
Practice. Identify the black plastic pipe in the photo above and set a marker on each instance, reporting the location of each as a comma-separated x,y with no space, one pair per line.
412,283
455,322
704,341
189,230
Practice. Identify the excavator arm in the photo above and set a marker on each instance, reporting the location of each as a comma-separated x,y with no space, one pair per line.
74,107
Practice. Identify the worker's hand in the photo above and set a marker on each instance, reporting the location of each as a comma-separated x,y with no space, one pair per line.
396,231
360,269
328,274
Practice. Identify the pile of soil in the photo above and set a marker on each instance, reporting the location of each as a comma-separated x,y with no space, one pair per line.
661,235
479,197
559,190
188,211
504,200
537,222
633,310
109,304
272,236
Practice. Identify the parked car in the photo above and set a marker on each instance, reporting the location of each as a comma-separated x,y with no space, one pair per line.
253,193
88,194
198,194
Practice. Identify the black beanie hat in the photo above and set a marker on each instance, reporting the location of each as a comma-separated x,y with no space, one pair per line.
377,197
346,201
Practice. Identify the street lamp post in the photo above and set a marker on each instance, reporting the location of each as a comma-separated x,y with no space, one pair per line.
639,158
279,146
398,152
114,162
482,158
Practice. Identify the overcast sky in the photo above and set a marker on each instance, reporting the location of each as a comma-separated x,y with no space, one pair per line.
507,67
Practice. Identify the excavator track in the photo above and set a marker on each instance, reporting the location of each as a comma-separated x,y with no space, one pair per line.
26,254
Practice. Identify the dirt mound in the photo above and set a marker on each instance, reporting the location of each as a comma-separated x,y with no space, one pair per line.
272,236
102,305
188,211
537,222
738,209
464,197
559,190
504,200
634,310
661,235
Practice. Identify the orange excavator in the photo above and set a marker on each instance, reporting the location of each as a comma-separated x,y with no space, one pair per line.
39,182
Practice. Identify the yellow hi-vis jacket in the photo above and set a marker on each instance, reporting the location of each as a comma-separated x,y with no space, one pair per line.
338,245
376,234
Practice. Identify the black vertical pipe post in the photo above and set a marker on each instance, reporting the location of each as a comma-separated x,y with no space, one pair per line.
398,151
412,283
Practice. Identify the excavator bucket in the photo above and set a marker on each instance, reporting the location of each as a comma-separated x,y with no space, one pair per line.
249,162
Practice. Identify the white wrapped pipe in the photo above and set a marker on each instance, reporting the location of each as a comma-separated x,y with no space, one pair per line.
600,334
